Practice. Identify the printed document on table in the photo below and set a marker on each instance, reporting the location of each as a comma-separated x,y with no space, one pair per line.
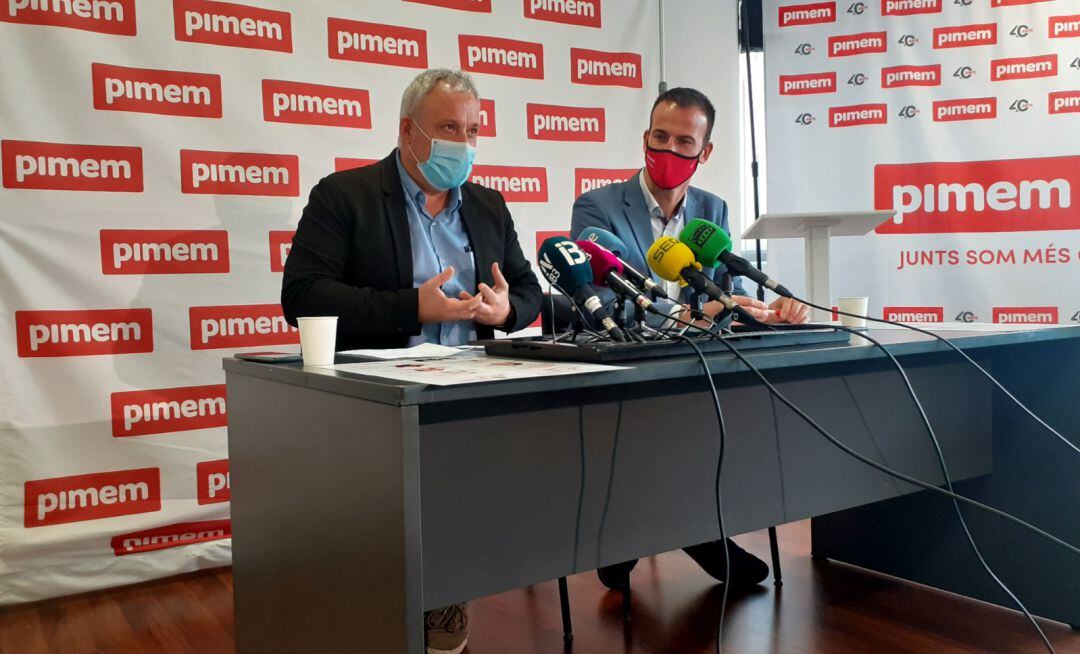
469,370
422,351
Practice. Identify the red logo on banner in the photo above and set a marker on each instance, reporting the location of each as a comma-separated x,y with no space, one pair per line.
806,84
548,122
859,114
280,245
239,173
1014,3
897,76
1064,102
1064,27
84,332
913,314
963,36
67,167
91,497
239,325
167,410
516,183
1023,67
965,109
227,23
570,12
481,6
212,481
495,56
808,14
353,40
605,68
1011,195
487,118
143,90
588,179
910,7
850,45
160,538
164,251
105,16
1031,315
348,163
315,104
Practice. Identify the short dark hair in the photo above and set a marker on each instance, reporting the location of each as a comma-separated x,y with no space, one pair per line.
686,97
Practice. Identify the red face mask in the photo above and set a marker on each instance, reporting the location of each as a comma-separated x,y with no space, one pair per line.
669,169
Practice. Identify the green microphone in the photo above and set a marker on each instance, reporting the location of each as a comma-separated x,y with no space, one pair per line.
711,245
706,240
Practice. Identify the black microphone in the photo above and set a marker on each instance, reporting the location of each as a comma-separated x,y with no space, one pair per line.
566,267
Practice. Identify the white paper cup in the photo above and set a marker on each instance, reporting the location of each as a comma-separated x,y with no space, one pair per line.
318,336
856,305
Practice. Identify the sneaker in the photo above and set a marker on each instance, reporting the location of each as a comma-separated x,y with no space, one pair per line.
747,570
446,629
616,577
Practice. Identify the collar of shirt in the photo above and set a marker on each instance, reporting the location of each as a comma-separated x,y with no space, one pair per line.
656,214
660,228
414,193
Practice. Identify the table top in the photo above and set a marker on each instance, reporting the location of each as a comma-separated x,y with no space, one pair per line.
901,343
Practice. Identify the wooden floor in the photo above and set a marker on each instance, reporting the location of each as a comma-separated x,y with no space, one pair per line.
822,608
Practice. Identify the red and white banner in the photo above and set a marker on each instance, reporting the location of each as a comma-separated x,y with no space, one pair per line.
155,158
957,116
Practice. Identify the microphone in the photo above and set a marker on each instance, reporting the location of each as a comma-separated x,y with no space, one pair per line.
566,267
675,262
615,245
711,244
607,271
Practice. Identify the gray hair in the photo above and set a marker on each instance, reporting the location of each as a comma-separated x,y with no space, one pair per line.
422,84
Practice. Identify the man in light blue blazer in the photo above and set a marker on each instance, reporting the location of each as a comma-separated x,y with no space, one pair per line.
659,201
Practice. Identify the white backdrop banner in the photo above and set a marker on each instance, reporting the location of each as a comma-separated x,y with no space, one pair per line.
961,115
155,159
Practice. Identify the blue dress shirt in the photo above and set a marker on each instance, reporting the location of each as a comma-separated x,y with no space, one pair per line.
437,242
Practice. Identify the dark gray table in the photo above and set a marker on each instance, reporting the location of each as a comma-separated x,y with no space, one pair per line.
358,503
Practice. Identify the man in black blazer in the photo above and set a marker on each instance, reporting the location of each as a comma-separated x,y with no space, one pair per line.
405,251
353,252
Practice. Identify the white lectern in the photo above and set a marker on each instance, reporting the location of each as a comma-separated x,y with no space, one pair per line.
816,229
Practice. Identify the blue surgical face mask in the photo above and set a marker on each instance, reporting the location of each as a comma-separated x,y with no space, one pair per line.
448,165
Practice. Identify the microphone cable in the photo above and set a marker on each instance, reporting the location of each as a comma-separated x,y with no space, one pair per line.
959,351
716,486
884,468
904,477
945,474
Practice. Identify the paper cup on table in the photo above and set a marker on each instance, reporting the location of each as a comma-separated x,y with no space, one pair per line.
318,337
856,305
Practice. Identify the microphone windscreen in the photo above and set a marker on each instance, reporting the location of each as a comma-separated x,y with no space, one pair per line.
563,264
706,240
667,257
600,260
605,239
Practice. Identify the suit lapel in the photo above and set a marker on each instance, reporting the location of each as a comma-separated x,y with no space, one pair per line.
637,215
474,228
396,217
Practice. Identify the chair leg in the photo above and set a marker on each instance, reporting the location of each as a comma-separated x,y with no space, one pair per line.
564,603
778,577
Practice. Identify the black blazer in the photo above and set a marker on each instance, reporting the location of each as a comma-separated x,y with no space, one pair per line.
352,258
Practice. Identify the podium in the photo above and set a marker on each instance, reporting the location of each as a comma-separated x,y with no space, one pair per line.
816,229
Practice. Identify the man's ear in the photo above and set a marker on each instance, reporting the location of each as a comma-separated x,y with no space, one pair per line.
645,141
405,129
705,153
